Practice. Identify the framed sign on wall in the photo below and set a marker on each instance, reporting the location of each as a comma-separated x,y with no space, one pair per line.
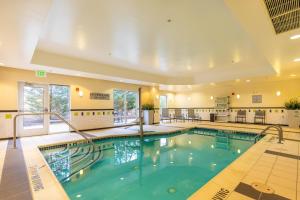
99,96
256,98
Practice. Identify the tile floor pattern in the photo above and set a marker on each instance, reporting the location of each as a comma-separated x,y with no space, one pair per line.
267,163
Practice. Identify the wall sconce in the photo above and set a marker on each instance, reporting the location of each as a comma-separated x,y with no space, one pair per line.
211,97
238,96
80,93
278,93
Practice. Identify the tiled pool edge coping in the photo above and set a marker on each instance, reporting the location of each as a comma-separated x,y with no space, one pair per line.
230,169
135,135
180,129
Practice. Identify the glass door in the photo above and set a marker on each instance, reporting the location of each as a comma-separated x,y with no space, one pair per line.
125,107
59,103
33,98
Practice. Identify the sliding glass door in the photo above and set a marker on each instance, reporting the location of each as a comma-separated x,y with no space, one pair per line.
125,106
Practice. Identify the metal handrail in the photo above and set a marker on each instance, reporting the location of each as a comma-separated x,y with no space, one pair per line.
280,132
48,113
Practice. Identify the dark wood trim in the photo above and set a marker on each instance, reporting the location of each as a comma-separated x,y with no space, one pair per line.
194,108
232,108
101,109
257,108
5,111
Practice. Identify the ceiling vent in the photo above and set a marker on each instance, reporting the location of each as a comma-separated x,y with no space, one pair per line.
285,14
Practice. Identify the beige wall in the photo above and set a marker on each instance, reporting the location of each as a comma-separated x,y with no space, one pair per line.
10,77
201,97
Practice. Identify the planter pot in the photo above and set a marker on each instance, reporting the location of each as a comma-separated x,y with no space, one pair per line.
293,118
148,117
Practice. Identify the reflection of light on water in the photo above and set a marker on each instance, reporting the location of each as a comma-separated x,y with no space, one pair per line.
191,153
78,195
174,149
212,146
157,152
190,142
171,162
81,172
163,142
239,151
122,178
171,190
154,165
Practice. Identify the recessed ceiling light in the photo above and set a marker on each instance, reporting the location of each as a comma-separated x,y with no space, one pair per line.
1,64
211,97
297,60
212,84
248,81
293,75
189,68
294,37
238,96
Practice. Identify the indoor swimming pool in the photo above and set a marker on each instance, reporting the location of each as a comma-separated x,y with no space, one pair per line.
171,166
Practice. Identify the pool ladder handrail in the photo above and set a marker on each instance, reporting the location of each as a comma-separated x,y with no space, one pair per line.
48,113
277,127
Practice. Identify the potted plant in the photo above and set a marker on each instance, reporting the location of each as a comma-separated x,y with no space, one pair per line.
148,113
293,107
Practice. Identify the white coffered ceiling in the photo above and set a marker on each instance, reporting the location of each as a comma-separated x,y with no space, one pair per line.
171,42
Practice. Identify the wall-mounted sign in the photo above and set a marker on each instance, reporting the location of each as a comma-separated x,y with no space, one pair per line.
99,96
41,73
256,98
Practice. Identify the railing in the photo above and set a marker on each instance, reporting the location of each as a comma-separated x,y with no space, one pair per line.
278,128
48,113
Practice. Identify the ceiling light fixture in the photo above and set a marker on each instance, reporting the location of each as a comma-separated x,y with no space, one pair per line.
248,81
212,84
297,60
189,68
238,96
294,37
211,97
1,64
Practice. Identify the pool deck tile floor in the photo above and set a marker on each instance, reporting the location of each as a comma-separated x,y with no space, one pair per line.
266,164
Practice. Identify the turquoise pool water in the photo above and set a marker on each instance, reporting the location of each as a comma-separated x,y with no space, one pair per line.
163,167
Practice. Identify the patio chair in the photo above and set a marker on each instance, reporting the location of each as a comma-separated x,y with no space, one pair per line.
260,115
179,115
191,115
241,116
165,115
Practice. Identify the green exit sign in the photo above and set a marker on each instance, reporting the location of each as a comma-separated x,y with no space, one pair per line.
41,73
